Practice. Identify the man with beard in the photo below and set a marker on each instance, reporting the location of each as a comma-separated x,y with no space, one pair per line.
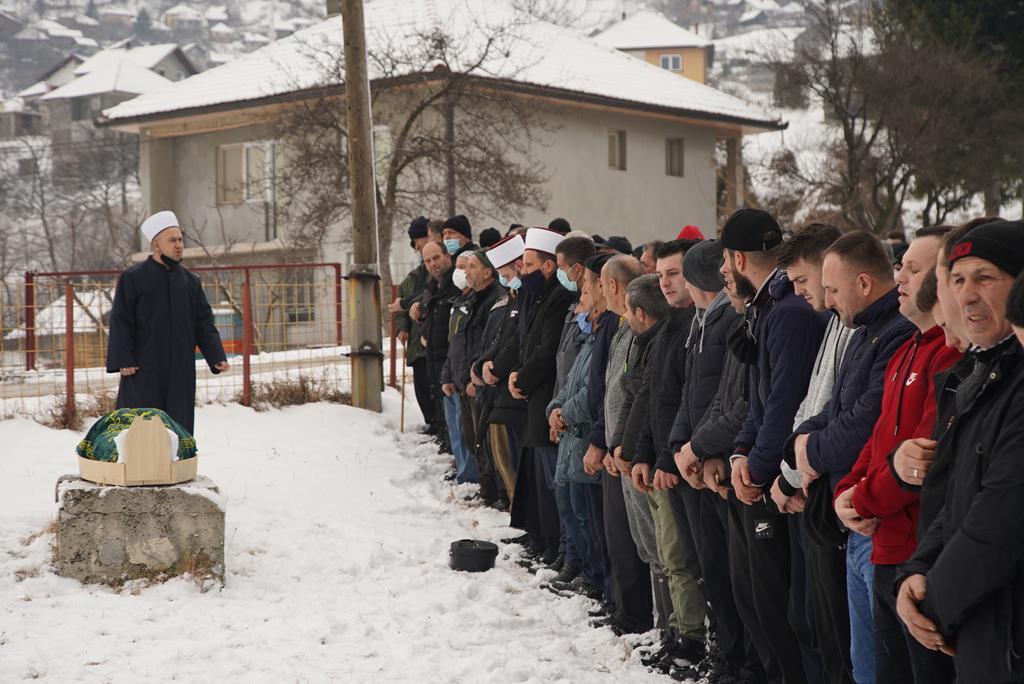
962,590
780,341
159,316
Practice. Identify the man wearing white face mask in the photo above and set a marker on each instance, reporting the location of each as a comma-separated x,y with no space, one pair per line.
453,381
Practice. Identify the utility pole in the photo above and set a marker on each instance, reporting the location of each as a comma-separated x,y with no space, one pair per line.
364,278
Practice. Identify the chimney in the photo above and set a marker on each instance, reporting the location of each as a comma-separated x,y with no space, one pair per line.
333,7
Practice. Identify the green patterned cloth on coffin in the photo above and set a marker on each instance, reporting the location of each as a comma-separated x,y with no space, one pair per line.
99,444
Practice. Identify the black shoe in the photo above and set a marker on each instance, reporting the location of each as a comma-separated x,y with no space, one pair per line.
580,585
651,658
558,564
567,574
682,652
604,610
613,623
521,539
731,674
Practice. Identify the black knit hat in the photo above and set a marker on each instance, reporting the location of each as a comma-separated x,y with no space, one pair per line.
702,264
619,244
751,230
461,224
1001,242
560,225
489,236
597,262
418,227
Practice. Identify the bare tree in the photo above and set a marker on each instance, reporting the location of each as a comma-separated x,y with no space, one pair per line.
446,140
902,112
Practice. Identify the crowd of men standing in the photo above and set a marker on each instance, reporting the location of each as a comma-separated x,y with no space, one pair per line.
799,456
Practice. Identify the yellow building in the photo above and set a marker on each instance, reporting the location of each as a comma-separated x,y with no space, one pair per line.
650,36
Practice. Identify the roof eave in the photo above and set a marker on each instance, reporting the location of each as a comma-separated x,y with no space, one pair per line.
749,125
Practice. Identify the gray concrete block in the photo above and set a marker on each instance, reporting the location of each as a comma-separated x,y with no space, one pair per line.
112,534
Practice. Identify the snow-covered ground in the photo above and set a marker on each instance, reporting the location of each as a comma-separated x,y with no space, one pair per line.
338,529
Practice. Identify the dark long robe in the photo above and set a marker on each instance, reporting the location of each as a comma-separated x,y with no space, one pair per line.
159,317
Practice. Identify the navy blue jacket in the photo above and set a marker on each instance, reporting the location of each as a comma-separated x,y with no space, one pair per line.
788,333
839,432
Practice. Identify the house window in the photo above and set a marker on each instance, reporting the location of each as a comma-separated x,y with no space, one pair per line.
245,172
27,167
674,156
617,150
672,62
300,295
79,109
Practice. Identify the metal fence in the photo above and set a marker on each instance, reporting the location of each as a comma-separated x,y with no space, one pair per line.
278,322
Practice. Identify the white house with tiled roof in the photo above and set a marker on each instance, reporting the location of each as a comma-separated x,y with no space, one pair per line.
627,147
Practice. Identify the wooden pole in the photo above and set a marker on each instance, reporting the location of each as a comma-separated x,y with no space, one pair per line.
366,332
405,356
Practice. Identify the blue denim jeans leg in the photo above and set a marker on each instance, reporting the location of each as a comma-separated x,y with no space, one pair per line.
860,574
465,464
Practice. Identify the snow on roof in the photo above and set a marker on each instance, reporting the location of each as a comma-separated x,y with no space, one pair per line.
86,42
91,305
125,76
35,90
536,53
56,29
255,38
117,11
83,20
147,56
183,11
14,104
222,29
758,46
648,29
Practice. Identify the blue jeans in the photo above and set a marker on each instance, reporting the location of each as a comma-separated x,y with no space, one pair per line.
860,578
465,464
588,546
569,546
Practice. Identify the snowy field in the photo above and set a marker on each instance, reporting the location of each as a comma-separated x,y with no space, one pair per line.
338,529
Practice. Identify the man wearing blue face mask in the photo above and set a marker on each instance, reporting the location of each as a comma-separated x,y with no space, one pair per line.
457,235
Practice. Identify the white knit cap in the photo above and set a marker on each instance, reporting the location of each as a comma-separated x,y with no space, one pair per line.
505,252
543,240
158,222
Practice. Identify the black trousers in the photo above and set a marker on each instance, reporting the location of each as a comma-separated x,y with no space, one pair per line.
533,506
629,578
759,562
826,582
477,444
801,604
421,386
899,657
707,516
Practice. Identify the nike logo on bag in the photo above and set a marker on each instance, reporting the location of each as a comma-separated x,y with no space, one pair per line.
762,527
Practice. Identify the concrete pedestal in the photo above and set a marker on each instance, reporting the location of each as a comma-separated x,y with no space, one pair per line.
108,534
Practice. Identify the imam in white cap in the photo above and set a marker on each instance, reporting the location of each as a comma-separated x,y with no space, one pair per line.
543,240
505,252
157,223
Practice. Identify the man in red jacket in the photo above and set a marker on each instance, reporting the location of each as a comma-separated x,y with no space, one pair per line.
869,500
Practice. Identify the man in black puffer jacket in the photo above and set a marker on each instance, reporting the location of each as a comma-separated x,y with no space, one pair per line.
707,356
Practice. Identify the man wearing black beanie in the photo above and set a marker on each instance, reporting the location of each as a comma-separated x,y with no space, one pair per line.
963,589
779,343
458,236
